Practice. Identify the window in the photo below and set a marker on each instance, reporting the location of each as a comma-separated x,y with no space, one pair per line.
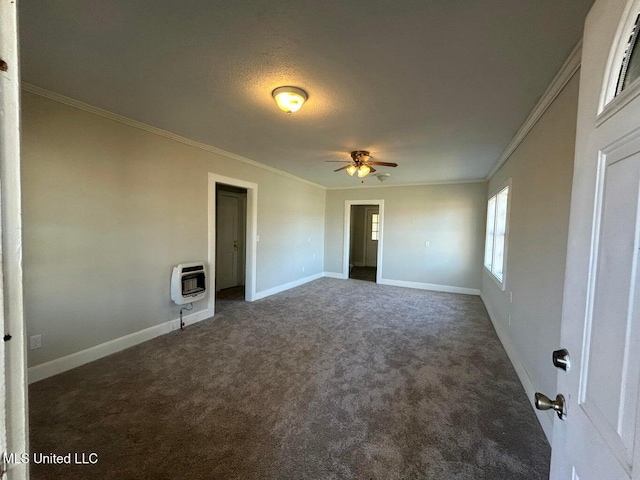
630,69
496,239
374,226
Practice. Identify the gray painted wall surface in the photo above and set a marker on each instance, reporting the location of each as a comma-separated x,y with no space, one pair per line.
541,169
450,217
109,209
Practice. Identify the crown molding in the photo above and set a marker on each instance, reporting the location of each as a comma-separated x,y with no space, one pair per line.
28,87
566,73
425,184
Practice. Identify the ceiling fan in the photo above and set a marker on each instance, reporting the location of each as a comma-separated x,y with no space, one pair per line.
361,162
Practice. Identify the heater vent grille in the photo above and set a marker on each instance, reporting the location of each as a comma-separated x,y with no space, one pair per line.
188,283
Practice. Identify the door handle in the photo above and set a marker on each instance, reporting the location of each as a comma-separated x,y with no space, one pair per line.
545,403
235,245
561,359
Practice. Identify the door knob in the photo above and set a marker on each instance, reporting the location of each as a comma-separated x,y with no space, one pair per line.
545,403
561,359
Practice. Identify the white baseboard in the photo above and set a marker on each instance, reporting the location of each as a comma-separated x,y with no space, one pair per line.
287,286
429,286
59,365
333,275
545,418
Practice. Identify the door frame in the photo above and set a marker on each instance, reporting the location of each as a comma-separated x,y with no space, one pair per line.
13,364
251,229
13,361
347,235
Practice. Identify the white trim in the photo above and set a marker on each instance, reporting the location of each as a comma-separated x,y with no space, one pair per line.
333,275
59,365
545,418
417,285
425,184
287,286
567,71
251,247
619,102
14,424
429,286
157,131
346,245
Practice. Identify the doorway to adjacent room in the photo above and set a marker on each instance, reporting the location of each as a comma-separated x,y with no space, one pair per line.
363,238
231,219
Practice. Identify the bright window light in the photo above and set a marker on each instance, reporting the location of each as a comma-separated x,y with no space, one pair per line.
496,237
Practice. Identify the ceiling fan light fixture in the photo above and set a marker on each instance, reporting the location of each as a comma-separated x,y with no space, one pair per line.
289,99
351,169
363,170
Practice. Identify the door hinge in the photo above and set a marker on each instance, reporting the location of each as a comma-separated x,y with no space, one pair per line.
3,65
7,337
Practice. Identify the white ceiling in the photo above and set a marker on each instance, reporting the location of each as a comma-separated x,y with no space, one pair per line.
438,86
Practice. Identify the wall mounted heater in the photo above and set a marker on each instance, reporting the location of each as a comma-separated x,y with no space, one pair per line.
188,283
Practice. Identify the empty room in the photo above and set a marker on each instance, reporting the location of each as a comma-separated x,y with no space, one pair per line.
320,240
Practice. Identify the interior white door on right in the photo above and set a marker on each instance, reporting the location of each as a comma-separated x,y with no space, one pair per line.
598,439
371,232
229,241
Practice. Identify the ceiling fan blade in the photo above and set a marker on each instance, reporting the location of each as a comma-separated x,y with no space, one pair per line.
338,161
383,164
341,168
371,169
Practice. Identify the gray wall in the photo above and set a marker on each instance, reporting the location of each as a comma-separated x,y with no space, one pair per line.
541,169
109,209
450,217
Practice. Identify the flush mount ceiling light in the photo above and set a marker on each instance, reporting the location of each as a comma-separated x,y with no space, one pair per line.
289,99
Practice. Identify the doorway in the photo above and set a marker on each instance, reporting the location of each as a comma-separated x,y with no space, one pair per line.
250,223
230,264
363,227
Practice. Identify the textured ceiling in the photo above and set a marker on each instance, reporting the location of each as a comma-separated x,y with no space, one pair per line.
438,86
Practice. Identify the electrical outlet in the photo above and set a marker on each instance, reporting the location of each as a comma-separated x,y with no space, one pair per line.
427,244
35,341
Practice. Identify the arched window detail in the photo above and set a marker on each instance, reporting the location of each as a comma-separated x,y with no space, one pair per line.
630,68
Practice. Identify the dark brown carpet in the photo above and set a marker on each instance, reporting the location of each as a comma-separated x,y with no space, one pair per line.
331,380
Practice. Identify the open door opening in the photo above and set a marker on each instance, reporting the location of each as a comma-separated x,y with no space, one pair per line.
363,246
231,243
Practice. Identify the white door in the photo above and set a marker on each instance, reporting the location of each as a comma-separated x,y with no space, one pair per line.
227,241
598,440
230,239
371,233
13,385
